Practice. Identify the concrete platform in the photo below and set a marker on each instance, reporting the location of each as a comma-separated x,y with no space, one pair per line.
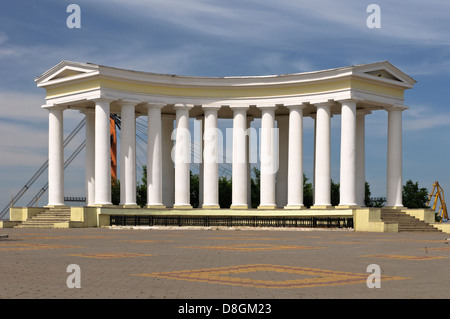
364,219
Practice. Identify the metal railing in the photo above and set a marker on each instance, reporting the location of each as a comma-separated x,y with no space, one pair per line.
232,221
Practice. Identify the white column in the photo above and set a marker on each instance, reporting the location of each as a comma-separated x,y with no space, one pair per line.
210,159
394,158
55,157
295,158
249,167
360,157
102,153
199,158
239,165
168,186
281,186
322,182
269,161
348,154
128,155
90,158
314,117
182,157
154,157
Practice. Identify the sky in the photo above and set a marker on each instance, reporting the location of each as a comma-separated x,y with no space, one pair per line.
226,38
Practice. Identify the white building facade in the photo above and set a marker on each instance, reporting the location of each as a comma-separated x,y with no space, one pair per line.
282,101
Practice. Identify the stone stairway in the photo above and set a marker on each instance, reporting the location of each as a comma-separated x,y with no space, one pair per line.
47,218
406,223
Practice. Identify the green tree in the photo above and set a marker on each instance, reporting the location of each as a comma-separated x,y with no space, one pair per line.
225,192
255,187
307,192
141,189
335,190
369,201
195,191
413,196
115,191
367,193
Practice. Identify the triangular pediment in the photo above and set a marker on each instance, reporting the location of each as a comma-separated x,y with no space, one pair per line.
66,70
386,72
383,74
64,73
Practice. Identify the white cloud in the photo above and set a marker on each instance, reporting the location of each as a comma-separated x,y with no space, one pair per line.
424,118
3,37
21,105
258,19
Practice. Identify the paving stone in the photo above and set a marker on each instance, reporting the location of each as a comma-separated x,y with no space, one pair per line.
159,263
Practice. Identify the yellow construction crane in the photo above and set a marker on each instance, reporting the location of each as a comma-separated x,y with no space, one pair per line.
438,196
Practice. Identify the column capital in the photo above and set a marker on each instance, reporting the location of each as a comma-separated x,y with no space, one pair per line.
396,108
363,111
54,107
325,104
211,110
127,102
183,106
238,107
297,106
350,100
102,99
267,107
211,107
153,104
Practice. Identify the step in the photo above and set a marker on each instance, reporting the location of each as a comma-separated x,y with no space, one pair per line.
406,223
51,217
54,214
33,222
47,219
32,225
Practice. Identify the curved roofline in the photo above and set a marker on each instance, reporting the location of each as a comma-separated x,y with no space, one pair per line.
82,70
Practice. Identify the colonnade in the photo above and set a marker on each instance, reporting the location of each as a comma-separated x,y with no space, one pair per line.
281,170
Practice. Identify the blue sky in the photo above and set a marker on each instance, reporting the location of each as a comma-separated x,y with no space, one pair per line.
228,38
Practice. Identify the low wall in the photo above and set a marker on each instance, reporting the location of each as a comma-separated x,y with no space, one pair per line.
85,216
364,219
444,227
20,214
369,220
426,215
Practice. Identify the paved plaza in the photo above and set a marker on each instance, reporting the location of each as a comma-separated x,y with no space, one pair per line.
199,263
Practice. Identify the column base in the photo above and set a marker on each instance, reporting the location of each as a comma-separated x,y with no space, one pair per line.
322,207
104,205
155,206
56,206
267,207
182,206
393,207
347,207
294,207
239,207
210,207
129,206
